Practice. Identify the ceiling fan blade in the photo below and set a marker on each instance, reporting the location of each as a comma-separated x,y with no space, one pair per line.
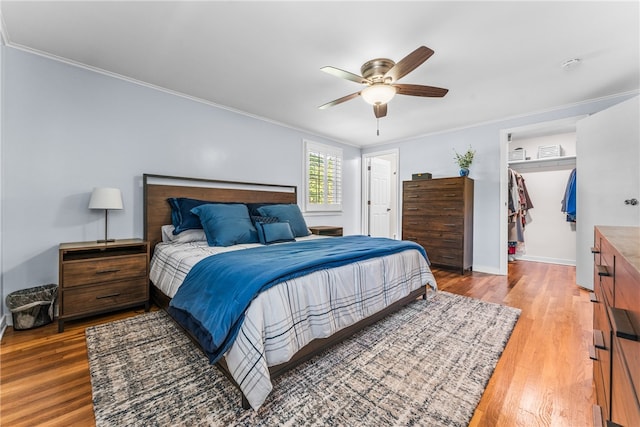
419,90
409,63
380,110
345,75
339,100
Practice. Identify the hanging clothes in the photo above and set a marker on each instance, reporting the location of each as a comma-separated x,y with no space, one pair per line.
569,200
519,205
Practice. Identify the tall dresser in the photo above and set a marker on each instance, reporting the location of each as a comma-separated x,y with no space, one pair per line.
438,214
616,326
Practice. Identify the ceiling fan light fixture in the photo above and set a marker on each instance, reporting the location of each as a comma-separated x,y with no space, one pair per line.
378,94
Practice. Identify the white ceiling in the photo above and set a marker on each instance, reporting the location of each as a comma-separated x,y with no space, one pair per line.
498,59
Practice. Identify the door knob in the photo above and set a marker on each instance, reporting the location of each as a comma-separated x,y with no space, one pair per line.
631,202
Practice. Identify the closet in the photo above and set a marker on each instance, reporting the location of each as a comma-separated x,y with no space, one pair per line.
541,229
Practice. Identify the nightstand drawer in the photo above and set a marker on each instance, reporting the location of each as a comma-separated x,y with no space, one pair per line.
326,230
84,272
96,298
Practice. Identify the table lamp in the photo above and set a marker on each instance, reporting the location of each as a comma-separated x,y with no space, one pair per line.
106,198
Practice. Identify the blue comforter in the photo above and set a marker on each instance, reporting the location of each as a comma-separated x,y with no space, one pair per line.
214,296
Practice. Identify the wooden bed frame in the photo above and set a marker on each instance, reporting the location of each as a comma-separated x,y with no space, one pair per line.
157,212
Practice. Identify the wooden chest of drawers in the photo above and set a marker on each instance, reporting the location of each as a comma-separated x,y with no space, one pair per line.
438,214
97,277
616,325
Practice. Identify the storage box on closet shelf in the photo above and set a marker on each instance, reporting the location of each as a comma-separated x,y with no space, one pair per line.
548,151
517,154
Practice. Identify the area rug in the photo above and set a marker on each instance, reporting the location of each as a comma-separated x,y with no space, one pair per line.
427,364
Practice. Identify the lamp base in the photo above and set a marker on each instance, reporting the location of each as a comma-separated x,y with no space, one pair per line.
106,240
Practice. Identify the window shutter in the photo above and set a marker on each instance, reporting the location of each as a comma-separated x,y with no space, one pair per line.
323,177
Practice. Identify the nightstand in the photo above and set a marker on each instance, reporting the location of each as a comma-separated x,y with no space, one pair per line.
326,230
101,277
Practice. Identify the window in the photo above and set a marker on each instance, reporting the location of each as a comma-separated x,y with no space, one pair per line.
323,177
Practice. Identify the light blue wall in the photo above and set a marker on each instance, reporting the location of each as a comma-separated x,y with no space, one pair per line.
67,130
434,153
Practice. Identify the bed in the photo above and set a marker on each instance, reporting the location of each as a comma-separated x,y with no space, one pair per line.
347,283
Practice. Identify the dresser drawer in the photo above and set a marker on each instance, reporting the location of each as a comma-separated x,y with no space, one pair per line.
601,394
625,408
440,184
600,315
84,272
437,208
444,256
96,298
433,195
436,238
452,225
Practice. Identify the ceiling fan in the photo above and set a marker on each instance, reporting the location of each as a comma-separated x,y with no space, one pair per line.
380,75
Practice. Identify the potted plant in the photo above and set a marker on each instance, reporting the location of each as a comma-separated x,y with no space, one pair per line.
464,160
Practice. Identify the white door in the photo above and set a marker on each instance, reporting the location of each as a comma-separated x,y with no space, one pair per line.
607,175
379,197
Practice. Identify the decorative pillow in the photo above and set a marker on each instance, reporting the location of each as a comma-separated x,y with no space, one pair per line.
226,224
290,213
181,216
253,207
275,232
264,219
186,236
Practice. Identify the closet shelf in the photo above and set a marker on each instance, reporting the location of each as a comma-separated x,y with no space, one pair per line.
540,163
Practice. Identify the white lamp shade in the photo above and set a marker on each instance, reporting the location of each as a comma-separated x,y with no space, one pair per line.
378,93
105,198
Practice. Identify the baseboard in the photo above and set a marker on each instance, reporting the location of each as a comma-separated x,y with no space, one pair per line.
547,260
3,325
486,269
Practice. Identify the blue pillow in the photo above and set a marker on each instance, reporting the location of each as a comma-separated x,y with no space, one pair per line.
181,216
275,232
226,224
290,213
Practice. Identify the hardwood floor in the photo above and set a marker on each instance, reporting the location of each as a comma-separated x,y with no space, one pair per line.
543,377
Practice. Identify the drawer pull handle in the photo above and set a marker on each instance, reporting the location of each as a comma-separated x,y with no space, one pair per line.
598,339
448,257
450,241
412,209
448,209
450,225
113,270
593,297
412,186
592,353
412,196
622,324
595,250
603,270
108,296
449,195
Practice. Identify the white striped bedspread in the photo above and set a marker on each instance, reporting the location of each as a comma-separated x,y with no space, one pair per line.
286,317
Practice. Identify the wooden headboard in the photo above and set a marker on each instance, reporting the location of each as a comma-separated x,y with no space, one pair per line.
158,188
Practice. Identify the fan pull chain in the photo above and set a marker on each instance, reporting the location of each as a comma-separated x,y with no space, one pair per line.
378,126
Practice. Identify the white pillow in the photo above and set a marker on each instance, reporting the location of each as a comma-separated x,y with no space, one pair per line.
186,236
